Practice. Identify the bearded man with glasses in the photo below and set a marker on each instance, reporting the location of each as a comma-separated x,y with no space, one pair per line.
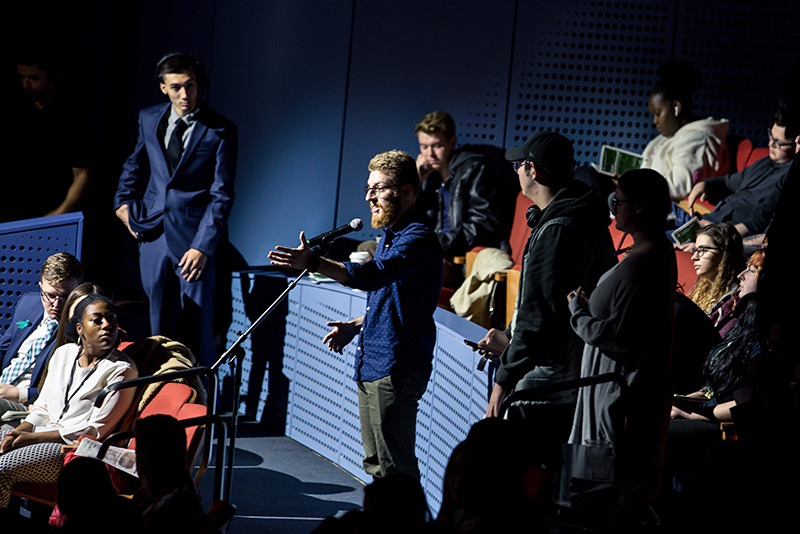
397,334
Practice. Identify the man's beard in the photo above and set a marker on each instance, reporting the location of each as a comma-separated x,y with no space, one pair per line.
387,214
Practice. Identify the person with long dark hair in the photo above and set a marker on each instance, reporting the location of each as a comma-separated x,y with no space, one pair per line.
66,328
727,366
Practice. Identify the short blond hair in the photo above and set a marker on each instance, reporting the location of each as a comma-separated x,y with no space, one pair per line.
62,266
438,121
398,165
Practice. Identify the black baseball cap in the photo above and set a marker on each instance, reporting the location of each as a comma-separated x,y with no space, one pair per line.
551,150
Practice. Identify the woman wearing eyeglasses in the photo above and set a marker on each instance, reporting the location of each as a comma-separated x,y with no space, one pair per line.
718,259
627,328
726,367
693,437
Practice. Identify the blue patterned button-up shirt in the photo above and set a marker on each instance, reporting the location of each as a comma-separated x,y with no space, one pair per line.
403,284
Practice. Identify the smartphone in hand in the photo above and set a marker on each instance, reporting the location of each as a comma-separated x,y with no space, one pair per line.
475,346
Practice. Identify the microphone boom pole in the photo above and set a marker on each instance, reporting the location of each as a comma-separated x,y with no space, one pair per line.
236,352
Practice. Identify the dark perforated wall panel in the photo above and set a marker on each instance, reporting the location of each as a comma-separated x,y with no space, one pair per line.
24,246
481,124
333,87
744,49
585,69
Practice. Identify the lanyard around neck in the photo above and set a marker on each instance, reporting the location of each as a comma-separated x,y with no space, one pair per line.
67,396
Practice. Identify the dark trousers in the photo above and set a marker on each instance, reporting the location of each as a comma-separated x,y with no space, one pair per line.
546,427
179,310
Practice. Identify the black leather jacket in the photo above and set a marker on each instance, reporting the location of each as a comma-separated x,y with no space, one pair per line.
472,193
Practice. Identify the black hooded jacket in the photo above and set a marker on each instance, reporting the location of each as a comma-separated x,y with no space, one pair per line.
570,246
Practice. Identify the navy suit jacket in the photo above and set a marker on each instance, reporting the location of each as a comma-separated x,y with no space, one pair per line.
28,309
194,202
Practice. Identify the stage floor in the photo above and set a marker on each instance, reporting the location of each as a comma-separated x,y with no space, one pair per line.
282,486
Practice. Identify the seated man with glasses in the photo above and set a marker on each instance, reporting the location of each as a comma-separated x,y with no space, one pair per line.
27,344
747,198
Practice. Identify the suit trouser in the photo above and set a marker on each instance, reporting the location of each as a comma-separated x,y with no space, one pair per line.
388,412
180,310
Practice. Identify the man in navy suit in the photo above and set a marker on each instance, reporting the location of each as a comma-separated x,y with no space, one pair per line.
174,196
26,346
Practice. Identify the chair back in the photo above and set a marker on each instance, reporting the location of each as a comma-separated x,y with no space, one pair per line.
687,276
170,400
520,231
619,238
194,440
177,400
746,154
743,152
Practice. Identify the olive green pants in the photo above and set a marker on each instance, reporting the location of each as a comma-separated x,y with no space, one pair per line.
388,411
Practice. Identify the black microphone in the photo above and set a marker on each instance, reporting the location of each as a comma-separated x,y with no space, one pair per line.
353,226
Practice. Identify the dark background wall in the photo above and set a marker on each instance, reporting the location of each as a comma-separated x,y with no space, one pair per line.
318,88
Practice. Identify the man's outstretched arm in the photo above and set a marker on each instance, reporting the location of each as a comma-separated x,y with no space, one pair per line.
303,257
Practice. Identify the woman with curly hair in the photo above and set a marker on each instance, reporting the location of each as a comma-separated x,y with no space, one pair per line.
730,366
718,258
729,361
